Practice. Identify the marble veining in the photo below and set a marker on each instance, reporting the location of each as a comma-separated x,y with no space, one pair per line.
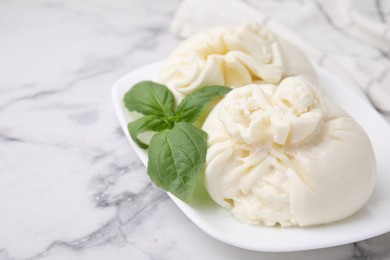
71,187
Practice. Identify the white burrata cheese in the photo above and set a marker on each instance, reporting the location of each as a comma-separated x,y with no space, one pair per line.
234,57
285,155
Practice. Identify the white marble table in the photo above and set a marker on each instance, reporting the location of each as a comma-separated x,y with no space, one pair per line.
71,187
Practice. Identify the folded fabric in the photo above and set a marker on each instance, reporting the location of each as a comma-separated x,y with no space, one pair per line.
350,39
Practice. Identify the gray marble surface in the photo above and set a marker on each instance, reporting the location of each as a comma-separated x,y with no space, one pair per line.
71,187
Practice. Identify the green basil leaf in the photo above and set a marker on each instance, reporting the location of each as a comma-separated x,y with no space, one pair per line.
146,123
193,105
150,98
177,159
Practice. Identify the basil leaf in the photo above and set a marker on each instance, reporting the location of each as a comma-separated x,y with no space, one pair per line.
193,105
146,123
177,158
150,98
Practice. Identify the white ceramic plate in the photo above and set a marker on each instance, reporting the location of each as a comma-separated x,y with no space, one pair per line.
370,221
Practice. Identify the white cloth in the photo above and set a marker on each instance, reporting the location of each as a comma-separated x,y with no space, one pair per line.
350,39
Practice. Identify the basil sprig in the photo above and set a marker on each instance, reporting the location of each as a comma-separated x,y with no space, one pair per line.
177,152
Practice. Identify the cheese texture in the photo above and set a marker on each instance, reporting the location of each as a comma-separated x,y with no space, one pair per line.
234,57
285,155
